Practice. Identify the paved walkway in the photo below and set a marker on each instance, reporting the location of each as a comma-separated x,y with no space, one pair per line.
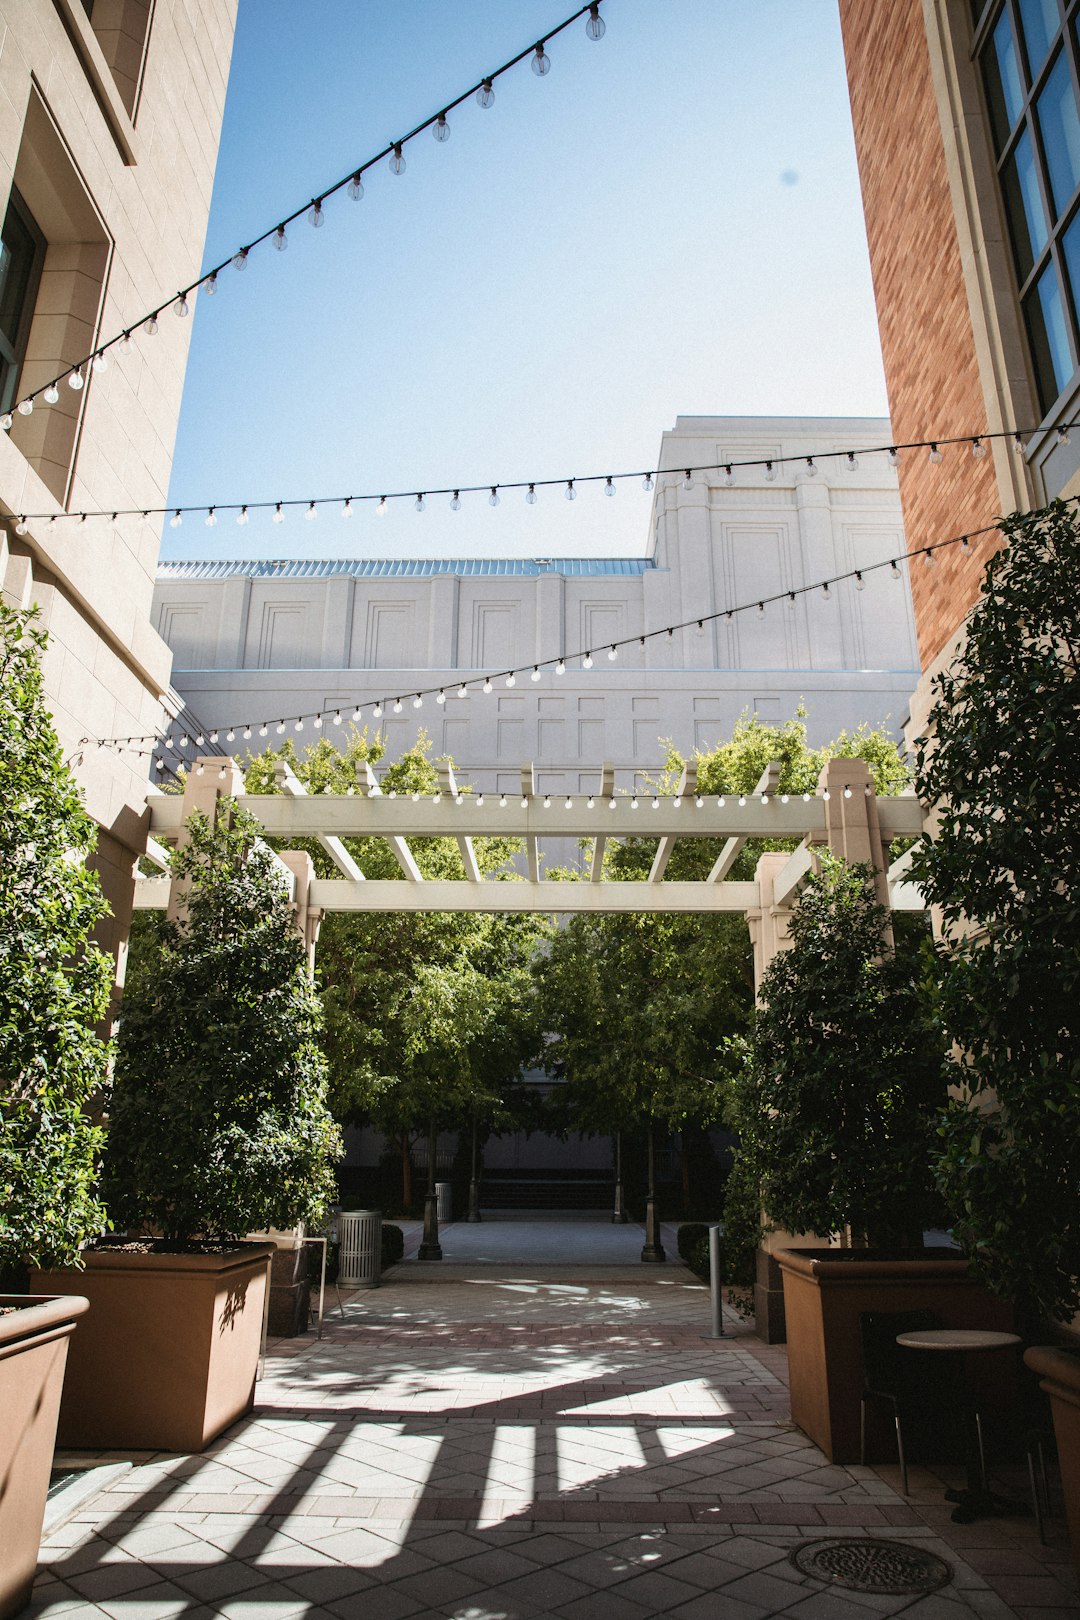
542,1237
486,1442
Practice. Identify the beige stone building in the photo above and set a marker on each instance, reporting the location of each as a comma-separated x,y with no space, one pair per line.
110,116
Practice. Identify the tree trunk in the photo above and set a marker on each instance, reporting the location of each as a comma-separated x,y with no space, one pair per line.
474,1181
653,1250
406,1175
618,1214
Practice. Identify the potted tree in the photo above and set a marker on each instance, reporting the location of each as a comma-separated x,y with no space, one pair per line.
842,1086
218,1126
54,990
1001,763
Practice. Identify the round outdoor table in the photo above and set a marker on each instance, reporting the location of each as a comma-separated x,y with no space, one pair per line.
976,1501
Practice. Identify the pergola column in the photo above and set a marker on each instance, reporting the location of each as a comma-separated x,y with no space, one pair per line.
209,780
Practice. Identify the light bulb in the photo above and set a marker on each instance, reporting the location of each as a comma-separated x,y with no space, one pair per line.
419,503
211,518
183,308
729,476
894,458
246,732
811,467
847,793
280,727
569,805
511,679
860,583
935,454
355,187
560,667
397,161
852,461
502,801
75,379
316,213
978,449
312,513
770,472
586,662
357,712
150,325
25,407
230,735
761,610
347,511
397,705
541,61
242,517
894,569
487,684
176,520
441,129
281,241
125,341
595,27
22,527
633,802
535,676
263,729
485,96
463,690
441,699
613,652
609,486
418,702
646,483
571,492
1063,435
479,800
965,544
279,515
51,394
380,510
493,498
299,725
656,804
688,479
826,592
240,259
99,362
928,557
209,286
530,495
455,502
377,711
547,801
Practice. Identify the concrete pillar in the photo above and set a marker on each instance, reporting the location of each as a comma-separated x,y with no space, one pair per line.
209,780
308,918
852,828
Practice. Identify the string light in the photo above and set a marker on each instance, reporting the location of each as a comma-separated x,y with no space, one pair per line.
595,27
441,129
559,664
935,454
530,495
485,96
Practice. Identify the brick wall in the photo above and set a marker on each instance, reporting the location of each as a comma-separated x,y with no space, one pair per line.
926,335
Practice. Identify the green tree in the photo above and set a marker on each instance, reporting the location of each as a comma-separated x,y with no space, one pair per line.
1001,763
218,1124
429,1016
844,1072
54,985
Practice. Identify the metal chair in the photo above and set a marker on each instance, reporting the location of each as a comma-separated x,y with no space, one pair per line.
891,1373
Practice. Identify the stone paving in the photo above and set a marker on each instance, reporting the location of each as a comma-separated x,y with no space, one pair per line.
494,1441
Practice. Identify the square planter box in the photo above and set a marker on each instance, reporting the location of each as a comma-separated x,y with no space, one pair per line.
33,1350
1059,1376
171,1351
826,1291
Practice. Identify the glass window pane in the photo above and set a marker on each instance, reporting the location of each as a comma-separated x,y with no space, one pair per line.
1070,252
1024,206
1059,123
1004,87
1050,350
16,265
1040,21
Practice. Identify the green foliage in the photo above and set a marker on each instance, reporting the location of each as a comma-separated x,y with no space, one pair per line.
218,1124
393,1245
54,985
427,1015
843,1078
1003,764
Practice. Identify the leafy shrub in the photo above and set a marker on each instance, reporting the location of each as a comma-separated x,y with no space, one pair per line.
219,1124
691,1234
393,1244
54,985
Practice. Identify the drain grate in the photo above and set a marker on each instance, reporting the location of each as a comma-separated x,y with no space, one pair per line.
872,1566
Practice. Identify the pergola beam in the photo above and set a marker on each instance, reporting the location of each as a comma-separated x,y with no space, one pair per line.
448,783
770,781
607,789
532,846
402,852
290,784
791,877
687,784
546,896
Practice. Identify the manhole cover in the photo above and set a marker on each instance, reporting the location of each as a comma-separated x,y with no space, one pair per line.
872,1566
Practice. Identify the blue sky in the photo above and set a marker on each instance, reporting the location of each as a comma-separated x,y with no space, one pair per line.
667,223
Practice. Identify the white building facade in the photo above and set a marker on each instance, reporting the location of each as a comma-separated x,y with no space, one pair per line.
255,640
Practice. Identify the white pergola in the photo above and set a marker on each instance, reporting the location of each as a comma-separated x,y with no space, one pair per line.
844,815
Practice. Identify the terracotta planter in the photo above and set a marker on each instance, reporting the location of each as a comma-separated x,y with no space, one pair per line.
825,1291
171,1348
33,1349
1059,1376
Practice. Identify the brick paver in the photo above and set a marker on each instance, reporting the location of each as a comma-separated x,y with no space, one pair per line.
486,1442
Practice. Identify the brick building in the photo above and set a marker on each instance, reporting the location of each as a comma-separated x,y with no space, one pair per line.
110,115
967,129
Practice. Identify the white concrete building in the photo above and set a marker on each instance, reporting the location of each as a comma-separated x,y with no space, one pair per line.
263,640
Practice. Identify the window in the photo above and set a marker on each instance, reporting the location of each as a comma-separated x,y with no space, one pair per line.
1029,55
22,252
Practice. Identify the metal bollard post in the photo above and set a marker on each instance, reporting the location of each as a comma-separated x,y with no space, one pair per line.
714,1282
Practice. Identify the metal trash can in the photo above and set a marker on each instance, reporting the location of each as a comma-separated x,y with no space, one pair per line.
443,1200
360,1240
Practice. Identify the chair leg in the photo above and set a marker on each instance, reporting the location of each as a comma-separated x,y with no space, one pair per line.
900,1451
862,1432
1036,1496
982,1451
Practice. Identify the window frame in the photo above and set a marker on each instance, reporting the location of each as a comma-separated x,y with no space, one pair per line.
13,355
